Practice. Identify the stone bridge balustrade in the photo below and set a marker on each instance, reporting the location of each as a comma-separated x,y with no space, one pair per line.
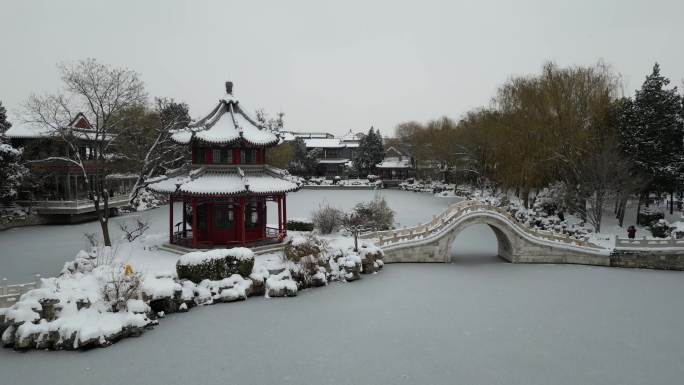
431,242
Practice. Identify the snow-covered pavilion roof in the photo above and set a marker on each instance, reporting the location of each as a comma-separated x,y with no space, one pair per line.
231,182
323,143
333,161
29,131
79,126
394,162
352,136
227,123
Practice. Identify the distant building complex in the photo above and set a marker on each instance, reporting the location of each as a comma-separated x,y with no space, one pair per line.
58,189
336,156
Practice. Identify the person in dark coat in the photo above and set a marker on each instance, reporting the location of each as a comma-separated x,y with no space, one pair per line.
631,232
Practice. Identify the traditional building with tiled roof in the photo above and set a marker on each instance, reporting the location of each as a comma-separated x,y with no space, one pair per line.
395,167
224,196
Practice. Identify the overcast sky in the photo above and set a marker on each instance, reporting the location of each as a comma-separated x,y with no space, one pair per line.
335,66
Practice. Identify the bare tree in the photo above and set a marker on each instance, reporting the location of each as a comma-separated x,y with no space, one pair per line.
156,153
354,223
101,92
133,231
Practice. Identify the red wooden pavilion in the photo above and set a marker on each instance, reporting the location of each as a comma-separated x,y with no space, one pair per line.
224,195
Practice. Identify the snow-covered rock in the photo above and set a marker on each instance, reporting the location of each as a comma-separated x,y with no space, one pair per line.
230,289
281,285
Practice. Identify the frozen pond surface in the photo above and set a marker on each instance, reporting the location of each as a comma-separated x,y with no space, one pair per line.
478,320
26,251
475,321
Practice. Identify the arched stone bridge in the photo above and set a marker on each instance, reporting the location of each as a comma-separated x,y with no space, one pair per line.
431,242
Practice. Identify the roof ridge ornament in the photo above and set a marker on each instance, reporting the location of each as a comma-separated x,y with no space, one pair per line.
229,88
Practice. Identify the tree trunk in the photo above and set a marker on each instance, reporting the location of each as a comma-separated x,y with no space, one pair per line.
102,215
671,202
597,211
104,221
622,209
641,196
583,209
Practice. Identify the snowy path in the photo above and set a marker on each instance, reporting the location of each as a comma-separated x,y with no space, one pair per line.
27,251
476,321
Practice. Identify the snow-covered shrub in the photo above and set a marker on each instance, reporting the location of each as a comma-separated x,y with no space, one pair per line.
346,265
299,224
550,199
83,263
678,229
309,258
123,285
660,229
371,258
326,218
215,264
376,213
647,217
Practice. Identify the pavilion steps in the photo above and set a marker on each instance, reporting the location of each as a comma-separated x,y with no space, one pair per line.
258,250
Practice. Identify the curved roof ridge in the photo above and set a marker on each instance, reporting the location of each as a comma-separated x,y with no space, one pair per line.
202,121
244,113
215,118
232,117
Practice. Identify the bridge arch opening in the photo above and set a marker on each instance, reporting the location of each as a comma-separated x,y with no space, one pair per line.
476,243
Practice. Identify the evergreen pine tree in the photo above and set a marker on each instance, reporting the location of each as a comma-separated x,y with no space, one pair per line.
4,124
11,171
304,161
654,132
371,152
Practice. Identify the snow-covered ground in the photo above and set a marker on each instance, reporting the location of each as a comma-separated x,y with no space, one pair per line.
475,321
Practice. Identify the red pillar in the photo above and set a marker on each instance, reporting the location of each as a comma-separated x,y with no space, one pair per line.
194,222
185,228
280,214
171,219
242,220
263,216
284,214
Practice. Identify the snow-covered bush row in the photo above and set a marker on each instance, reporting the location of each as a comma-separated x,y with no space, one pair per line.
215,264
664,229
74,310
96,301
299,224
434,187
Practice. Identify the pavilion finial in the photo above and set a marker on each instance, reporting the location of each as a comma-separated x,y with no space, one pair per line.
229,88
